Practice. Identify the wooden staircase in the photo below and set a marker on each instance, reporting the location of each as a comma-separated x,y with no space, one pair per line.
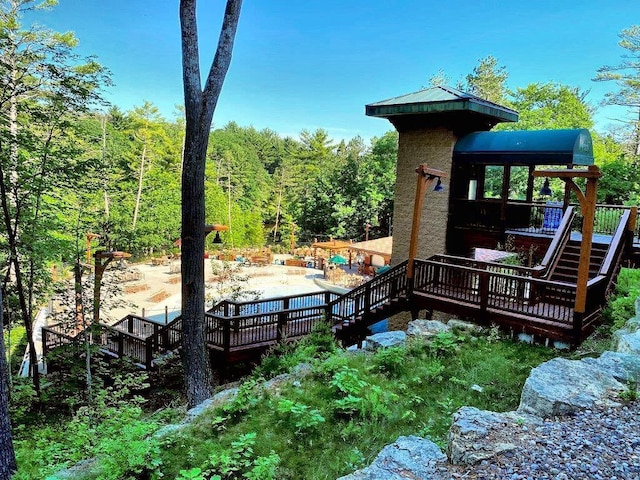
566,269
355,311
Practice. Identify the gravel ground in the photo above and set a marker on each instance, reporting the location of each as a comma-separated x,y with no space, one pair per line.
594,444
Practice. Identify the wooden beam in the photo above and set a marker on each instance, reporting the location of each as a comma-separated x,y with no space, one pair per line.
588,207
592,172
426,176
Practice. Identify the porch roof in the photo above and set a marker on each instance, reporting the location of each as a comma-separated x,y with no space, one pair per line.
529,147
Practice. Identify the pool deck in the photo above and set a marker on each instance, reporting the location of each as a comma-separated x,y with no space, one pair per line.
268,281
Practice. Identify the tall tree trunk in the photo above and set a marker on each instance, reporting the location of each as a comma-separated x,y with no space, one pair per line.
637,139
199,107
275,228
7,455
104,156
140,178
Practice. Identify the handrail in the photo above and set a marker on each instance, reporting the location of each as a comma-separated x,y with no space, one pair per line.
560,239
458,260
537,281
616,245
361,289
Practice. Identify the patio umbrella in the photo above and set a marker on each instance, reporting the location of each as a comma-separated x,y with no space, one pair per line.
338,259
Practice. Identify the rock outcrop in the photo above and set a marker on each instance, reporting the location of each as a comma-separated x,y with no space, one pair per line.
561,386
385,340
475,435
406,458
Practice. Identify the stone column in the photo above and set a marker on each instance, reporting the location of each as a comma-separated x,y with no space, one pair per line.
433,146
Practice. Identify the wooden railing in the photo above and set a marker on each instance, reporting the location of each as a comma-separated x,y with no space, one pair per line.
374,293
484,289
55,336
125,344
229,308
261,329
561,236
560,239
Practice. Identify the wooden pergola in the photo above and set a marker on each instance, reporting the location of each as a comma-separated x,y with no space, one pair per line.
333,246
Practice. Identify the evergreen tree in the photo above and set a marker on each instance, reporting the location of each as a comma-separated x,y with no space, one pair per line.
626,76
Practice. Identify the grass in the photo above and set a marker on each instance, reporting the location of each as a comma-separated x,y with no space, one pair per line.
339,418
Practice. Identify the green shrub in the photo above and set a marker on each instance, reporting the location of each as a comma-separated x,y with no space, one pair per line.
390,360
299,416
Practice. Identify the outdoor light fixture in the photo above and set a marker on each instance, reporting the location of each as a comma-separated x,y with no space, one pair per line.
217,238
545,191
439,186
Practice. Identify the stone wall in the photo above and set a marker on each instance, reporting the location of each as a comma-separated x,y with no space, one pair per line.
433,147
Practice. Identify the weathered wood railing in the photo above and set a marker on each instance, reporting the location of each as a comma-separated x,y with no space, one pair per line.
370,295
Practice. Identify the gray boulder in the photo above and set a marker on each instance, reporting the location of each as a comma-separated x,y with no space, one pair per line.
562,386
217,400
426,328
477,435
624,367
628,342
407,457
385,340
463,326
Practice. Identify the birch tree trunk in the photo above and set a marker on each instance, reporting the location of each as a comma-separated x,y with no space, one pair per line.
140,179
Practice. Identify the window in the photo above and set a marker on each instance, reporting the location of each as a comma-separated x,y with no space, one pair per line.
493,175
519,177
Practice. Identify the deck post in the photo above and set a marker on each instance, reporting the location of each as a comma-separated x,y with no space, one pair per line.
130,324
120,344
282,320
631,228
226,332
327,305
148,352
367,299
484,294
578,318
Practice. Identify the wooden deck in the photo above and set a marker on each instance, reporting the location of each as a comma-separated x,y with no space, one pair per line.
517,298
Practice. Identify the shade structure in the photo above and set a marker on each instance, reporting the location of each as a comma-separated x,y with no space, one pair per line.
526,147
332,245
379,246
338,260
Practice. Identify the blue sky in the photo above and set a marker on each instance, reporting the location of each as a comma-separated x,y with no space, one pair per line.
307,64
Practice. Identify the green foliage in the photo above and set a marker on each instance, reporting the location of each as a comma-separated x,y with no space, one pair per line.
285,356
550,106
488,81
302,417
390,360
235,462
247,397
621,306
338,418
444,343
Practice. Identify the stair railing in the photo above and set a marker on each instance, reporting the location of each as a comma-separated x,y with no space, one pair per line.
372,294
559,241
615,252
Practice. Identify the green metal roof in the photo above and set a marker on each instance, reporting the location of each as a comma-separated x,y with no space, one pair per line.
439,99
533,147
